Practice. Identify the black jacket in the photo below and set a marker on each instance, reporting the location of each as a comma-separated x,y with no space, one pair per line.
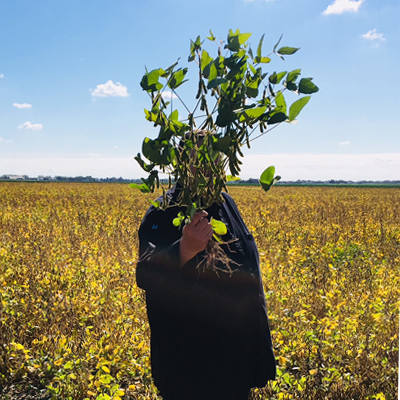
206,328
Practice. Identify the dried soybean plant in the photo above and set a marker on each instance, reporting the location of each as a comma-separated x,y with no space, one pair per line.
236,102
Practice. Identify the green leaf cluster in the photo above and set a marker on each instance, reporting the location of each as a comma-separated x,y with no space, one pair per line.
236,101
267,178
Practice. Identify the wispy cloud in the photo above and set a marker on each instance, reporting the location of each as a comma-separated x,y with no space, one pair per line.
29,125
374,35
168,95
289,166
1,75
344,143
342,6
110,89
325,166
23,105
2,140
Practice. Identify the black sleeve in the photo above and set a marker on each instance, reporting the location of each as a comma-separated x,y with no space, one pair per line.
158,251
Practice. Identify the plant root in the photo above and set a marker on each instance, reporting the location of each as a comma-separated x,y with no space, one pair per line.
216,258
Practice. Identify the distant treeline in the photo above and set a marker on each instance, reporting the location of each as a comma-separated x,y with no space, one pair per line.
251,181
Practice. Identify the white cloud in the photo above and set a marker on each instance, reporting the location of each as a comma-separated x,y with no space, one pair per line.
373,35
167,95
344,143
1,75
29,125
23,105
110,89
5,140
342,6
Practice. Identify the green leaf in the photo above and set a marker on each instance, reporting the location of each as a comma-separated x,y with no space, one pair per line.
177,78
252,113
211,37
265,186
276,78
166,155
297,106
146,167
252,89
218,227
153,76
293,75
276,179
259,47
191,210
244,37
155,204
250,51
265,60
267,179
150,116
150,82
291,86
205,60
268,175
231,178
213,72
143,187
280,102
306,86
276,118
277,44
287,50
233,41
216,82
165,73
253,70
222,144
150,151
194,46
179,219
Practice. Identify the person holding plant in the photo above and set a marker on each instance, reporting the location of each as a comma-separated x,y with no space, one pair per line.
210,337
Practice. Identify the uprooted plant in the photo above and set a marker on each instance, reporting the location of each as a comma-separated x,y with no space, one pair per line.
236,103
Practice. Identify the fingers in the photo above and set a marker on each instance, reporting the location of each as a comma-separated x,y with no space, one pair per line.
200,227
198,217
199,231
196,235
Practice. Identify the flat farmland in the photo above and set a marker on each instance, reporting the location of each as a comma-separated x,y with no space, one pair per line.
73,323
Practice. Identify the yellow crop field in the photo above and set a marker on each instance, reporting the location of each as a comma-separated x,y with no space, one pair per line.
73,323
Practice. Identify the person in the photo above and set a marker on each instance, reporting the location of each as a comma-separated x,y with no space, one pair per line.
210,336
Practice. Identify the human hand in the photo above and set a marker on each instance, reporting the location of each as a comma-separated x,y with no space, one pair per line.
195,236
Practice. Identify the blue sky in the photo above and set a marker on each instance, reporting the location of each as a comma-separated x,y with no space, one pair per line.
71,103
